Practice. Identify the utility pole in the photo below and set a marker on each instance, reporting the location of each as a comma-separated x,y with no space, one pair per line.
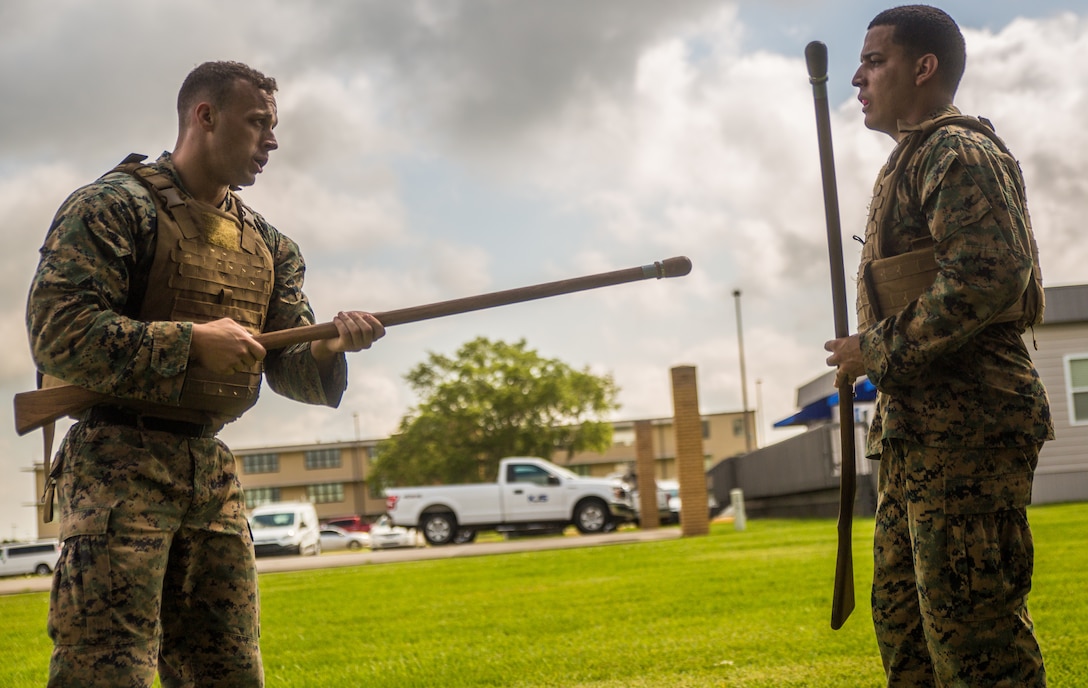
743,375
358,483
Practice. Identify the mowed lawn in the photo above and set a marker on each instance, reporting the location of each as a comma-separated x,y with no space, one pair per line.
747,608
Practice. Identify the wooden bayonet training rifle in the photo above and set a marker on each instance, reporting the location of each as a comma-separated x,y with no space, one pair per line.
43,406
842,602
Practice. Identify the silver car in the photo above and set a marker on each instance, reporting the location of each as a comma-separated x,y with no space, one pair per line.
385,535
334,538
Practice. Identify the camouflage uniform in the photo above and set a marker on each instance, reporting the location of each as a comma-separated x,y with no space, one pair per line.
959,420
157,569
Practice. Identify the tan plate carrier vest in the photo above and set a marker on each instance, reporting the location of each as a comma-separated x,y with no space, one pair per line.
887,284
208,264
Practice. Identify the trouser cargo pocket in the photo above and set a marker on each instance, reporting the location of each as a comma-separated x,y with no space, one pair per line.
990,548
80,603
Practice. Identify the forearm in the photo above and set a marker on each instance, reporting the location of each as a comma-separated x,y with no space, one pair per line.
296,374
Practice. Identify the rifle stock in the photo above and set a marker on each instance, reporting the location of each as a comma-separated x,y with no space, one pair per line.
842,602
39,407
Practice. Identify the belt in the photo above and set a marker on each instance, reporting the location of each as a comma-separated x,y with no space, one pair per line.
113,415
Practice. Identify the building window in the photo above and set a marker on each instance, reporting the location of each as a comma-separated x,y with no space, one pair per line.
738,427
322,458
256,496
624,437
369,454
261,463
375,490
1076,381
581,469
324,494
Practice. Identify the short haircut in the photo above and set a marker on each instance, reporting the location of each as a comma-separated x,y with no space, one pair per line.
922,29
214,81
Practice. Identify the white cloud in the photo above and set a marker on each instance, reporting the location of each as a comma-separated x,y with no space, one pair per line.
324,218
28,201
1032,80
435,150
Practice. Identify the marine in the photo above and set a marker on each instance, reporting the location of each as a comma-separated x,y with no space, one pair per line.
949,282
151,286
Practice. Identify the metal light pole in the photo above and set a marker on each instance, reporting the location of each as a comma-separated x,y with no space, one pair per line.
743,374
759,412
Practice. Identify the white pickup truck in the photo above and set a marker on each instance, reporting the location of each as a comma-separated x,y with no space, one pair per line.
531,495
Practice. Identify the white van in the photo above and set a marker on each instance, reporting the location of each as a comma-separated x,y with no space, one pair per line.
285,528
19,558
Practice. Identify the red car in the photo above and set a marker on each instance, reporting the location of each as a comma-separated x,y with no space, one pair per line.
352,524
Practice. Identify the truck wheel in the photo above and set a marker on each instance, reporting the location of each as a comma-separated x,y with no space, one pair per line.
465,536
591,516
439,528
42,569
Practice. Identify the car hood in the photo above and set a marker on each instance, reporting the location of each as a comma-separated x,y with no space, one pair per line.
273,534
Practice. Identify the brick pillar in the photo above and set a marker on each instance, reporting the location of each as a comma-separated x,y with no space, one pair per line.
690,473
644,467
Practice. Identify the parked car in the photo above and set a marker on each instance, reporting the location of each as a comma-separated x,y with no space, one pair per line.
629,486
352,524
385,535
333,538
285,528
19,558
672,489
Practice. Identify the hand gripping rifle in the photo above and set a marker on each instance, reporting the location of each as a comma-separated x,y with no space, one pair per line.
842,602
43,406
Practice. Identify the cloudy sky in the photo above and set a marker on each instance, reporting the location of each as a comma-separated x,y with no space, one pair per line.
438,149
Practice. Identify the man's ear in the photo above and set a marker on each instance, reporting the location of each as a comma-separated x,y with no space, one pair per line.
205,116
925,69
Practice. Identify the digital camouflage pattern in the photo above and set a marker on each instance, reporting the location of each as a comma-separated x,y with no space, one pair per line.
150,519
950,608
960,416
887,283
948,378
157,568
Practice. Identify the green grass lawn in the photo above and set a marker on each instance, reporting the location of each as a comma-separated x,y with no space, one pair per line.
734,608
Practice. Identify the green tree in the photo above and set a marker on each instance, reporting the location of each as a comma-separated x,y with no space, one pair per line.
489,401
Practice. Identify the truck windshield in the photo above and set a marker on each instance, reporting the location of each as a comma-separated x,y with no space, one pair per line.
273,520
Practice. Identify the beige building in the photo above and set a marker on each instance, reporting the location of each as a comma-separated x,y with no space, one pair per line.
723,437
334,476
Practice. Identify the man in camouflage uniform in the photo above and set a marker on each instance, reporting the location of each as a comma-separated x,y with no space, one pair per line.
961,412
157,571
